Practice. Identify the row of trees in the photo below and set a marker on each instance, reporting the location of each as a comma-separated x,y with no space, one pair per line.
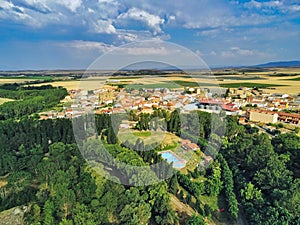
228,187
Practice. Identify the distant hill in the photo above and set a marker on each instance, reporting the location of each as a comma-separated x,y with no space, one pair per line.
279,64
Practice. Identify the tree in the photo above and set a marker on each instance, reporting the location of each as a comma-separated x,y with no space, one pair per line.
196,220
232,127
181,195
82,216
198,206
174,123
48,213
214,184
111,136
173,185
135,214
274,175
289,143
207,210
227,179
260,151
188,198
251,193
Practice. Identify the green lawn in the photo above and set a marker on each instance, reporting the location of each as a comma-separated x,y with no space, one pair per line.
132,136
171,147
142,134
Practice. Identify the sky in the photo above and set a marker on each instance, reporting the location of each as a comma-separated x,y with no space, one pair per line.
71,34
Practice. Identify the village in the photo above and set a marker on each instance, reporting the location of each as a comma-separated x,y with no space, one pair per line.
251,104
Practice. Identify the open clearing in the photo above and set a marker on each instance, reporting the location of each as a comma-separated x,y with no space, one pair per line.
13,216
163,138
3,183
3,100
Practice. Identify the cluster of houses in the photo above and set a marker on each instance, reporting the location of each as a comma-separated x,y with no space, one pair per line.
244,96
260,106
146,100
267,116
252,103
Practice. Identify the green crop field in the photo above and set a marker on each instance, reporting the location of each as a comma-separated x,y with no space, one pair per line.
193,83
240,78
169,85
28,77
250,85
295,79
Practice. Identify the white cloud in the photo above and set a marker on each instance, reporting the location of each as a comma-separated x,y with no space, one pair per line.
240,52
218,24
37,5
104,26
151,20
128,37
172,17
243,52
198,52
85,45
270,6
73,5
6,5
14,12
259,5
227,54
110,16
137,49
295,8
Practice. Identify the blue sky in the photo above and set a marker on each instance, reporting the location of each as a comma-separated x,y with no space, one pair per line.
71,34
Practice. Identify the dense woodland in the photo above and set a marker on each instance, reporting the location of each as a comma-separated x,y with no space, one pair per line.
29,99
44,169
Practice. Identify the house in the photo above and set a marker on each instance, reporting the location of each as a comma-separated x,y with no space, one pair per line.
147,110
185,141
263,116
124,126
289,117
190,146
242,120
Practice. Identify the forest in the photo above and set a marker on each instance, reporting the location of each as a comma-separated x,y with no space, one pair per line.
42,167
29,100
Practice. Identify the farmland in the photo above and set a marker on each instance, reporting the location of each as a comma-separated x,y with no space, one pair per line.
276,80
